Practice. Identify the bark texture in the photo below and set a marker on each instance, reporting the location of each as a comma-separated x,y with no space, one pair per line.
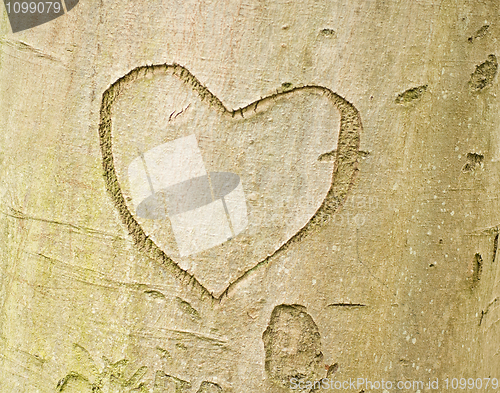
366,137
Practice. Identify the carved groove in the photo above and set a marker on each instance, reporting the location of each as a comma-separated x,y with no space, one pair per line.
343,175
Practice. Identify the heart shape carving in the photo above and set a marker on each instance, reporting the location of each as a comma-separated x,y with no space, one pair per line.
213,193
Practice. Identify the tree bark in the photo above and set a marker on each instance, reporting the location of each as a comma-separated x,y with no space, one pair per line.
364,138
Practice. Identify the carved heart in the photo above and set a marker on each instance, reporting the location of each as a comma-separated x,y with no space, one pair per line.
272,147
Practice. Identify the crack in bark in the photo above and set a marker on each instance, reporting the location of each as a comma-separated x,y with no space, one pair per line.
347,305
17,214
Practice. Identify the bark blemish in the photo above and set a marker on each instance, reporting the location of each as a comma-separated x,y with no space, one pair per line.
473,160
411,95
209,387
292,344
495,247
484,74
476,269
479,34
186,308
328,32
155,294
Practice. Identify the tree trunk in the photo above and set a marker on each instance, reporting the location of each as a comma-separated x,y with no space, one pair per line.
250,196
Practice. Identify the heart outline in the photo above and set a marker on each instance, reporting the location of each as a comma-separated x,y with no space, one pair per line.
343,173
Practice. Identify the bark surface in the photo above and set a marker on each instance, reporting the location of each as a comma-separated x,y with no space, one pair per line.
366,138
